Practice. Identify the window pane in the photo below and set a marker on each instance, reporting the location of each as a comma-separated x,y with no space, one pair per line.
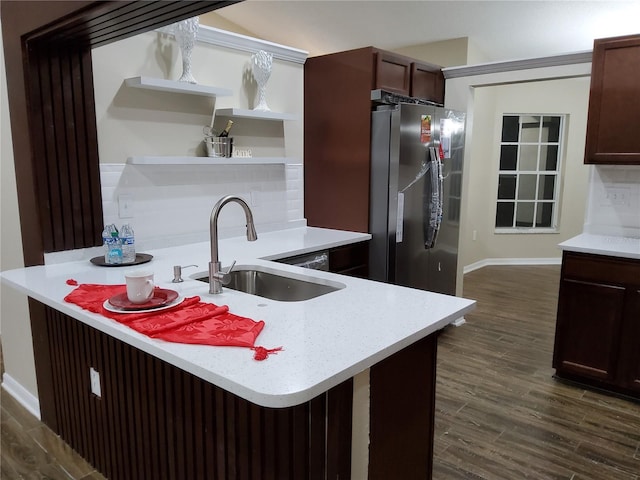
530,129
551,129
529,173
510,128
527,187
524,214
504,214
548,157
507,187
546,187
544,215
508,157
528,158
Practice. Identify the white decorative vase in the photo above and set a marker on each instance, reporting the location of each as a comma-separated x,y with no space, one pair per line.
185,33
261,63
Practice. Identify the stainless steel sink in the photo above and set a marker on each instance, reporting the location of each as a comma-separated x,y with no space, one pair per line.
276,284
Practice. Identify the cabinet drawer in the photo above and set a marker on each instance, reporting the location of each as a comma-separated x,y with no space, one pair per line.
601,269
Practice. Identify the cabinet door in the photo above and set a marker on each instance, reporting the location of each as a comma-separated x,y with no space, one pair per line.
588,329
352,260
630,343
393,72
614,102
427,81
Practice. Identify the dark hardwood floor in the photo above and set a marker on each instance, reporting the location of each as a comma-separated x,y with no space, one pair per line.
500,414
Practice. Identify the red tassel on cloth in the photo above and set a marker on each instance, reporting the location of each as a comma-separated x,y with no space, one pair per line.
262,353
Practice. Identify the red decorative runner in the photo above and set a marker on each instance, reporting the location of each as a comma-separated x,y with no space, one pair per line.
191,321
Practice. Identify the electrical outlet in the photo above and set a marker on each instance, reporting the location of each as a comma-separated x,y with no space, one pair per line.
125,205
94,377
255,198
474,235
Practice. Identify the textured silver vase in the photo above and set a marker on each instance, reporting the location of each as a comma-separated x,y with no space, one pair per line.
261,63
185,33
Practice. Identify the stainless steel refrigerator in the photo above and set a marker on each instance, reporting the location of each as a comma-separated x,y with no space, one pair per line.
416,185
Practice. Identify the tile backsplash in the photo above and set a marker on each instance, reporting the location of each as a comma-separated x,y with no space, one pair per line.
171,204
614,201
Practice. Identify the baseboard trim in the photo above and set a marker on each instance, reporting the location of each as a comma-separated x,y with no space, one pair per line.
23,396
511,261
459,322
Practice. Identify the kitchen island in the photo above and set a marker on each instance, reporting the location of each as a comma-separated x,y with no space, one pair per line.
170,410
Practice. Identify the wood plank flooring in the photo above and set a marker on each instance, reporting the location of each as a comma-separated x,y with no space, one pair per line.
499,413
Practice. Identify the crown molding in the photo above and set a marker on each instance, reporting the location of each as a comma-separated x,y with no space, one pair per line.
236,41
512,65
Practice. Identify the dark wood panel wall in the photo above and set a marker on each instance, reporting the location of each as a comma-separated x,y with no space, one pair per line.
65,155
402,396
154,420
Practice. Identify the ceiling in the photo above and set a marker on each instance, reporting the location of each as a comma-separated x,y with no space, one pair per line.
498,30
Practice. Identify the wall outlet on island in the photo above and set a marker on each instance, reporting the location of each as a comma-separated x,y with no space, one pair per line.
94,377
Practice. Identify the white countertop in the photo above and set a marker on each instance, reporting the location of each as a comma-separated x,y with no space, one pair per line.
325,340
613,246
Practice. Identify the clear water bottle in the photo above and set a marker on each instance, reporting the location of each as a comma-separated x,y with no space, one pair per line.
108,239
115,250
128,244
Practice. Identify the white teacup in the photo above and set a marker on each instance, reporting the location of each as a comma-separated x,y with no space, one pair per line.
139,286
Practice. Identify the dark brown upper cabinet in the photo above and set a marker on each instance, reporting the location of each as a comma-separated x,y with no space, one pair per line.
393,72
337,127
404,75
427,81
614,102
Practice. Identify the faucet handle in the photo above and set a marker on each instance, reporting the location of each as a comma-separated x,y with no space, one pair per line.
177,273
225,278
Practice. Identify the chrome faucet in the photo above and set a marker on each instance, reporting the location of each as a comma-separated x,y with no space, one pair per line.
216,276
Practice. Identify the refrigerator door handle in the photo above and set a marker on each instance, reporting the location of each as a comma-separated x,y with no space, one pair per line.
436,200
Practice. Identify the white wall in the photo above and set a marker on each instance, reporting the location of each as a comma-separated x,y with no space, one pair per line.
567,96
485,98
176,201
447,53
17,348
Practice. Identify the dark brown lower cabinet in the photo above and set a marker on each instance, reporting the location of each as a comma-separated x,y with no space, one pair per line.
598,325
156,421
352,260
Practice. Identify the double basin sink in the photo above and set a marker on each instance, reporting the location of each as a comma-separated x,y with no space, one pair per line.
276,284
